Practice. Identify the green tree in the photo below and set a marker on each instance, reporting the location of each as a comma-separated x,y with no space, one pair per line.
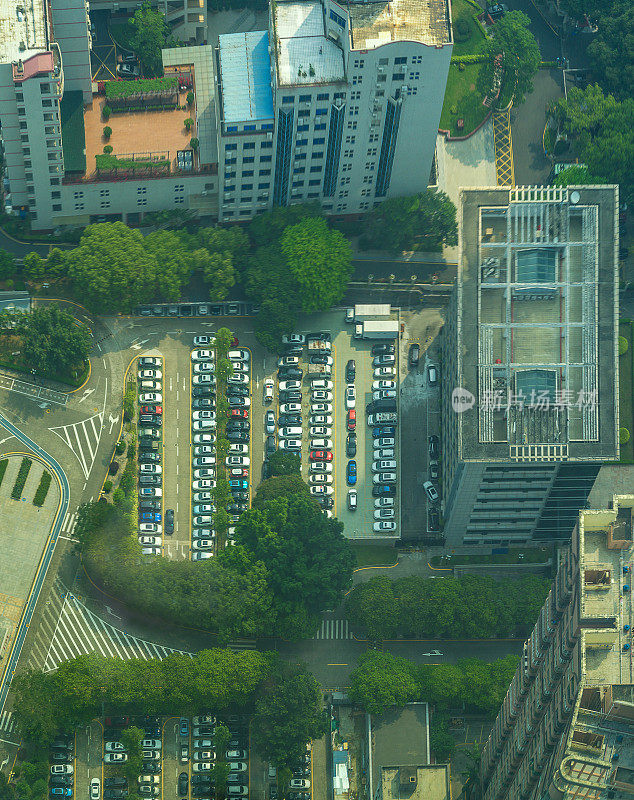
33,267
220,258
274,318
611,51
110,270
7,790
381,680
515,45
131,739
173,259
91,517
288,716
426,220
319,261
150,34
283,462
7,269
374,606
267,228
441,742
224,337
55,264
576,175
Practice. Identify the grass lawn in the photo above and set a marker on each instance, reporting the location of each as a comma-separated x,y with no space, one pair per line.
535,555
464,14
462,100
11,344
625,393
370,556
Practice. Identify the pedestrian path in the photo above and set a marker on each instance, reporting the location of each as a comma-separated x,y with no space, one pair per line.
32,390
7,723
334,629
83,439
503,147
68,525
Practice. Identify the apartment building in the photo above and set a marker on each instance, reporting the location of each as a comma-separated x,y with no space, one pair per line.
346,100
530,373
565,729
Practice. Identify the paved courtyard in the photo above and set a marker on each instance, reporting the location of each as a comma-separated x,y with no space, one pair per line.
466,163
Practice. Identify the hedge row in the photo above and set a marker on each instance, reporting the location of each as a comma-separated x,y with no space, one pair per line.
3,468
127,88
471,58
23,473
109,162
162,107
42,489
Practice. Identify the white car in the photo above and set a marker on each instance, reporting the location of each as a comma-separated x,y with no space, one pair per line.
237,461
202,519
321,466
320,477
155,779
299,783
62,769
240,366
202,340
290,444
291,408
319,383
384,384
203,355
321,444
201,367
150,469
114,747
238,449
384,441
286,385
118,758
95,789
321,408
205,473
203,424
204,380
294,338
201,556
384,502
151,551
204,755
202,544
351,396
201,744
202,766
384,527
321,419
385,452
268,390
431,491
384,465
205,483
202,497
151,527
150,397
204,450
203,508
204,438
384,477
288,361
150,491
319,430
384,513
238,355
321,490
203,461
150,374
384,394
150,541
238,379
321,396
384,372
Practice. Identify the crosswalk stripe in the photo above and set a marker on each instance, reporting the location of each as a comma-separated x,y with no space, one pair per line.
7,723
334,629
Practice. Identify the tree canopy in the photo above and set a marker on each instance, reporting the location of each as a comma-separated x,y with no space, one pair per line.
513,43
426,220
285,462
612,49
150,34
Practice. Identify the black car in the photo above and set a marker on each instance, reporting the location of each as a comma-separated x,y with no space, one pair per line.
433,471
61,780
433,521
319,359
414,355
238,425
286,420
238,436
150,505
351,370
151,767
269,445
239,495
169,520
204,402
434,447
183,781
204,391
116,783
114,794
382,349
266,470
325,335
289,372
150,419
237,391
59,755
236,508
351,445
149,455
150,480
152,732
293,350
290,396
326,502
384,490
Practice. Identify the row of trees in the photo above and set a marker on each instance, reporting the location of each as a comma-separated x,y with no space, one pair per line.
284,699
470,607
382,680
290,563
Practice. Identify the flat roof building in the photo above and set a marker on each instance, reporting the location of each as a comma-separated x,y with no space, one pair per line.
531,347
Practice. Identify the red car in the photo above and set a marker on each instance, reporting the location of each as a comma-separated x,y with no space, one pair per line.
151,409
239,472
241,413
320,455
351,420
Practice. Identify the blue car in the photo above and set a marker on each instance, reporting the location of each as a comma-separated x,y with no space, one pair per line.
351,473
239,484
148,516
184,726
61,791
386,430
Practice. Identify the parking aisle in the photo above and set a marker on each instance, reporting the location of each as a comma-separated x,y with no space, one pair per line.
176,431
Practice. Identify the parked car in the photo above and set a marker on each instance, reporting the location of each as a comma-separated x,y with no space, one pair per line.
351,473
431,491
351,445
351,370
183,781
385,526
351,419
268,390
352,500
414,355
434,447
351,396
294,338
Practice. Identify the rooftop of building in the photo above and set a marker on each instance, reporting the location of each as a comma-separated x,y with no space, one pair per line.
421,782
377,23
22,30
401,737
538,266
305,55
245,76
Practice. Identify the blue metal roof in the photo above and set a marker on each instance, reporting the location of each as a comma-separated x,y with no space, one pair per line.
245,70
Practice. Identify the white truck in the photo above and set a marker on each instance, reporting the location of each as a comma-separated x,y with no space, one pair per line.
371,311
376,329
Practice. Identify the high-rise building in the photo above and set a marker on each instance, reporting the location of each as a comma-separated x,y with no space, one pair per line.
565,729
530,383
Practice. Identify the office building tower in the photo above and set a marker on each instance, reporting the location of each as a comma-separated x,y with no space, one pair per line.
530,381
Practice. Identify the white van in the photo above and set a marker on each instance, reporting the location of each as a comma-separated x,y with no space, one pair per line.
149,386
289,433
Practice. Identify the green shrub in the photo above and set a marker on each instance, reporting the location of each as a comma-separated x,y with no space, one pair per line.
471,58
108,148
105,112
461,29
3,468
190,98
42,489
107,132
623,345
129,403
107,487
115,89
189,124
193,143
120,448
624,436
20,480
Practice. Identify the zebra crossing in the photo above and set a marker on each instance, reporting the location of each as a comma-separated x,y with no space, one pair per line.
7,723
334,629
83,439
68,525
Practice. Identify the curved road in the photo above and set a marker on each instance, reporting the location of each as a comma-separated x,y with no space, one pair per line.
46,558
